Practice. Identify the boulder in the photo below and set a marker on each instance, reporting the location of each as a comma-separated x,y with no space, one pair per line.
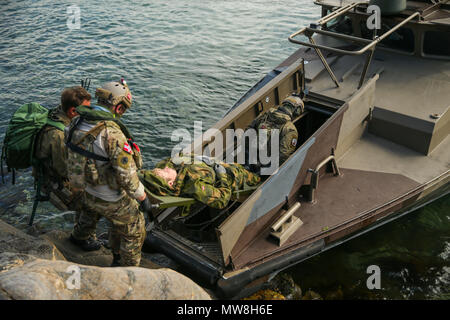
285,285
266,294
73,253
14,240
26,277
311,295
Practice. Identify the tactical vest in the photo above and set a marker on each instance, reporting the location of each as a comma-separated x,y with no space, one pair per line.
55,118
87,166
269,120
276,119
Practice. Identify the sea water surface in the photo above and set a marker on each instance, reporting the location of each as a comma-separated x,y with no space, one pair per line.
189,61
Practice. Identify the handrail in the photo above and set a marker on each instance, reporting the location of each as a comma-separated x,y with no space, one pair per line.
308,32
315,175
338,12
371,43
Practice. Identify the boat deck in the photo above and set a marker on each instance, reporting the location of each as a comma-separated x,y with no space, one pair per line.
376,169
338,199
419,91
372,153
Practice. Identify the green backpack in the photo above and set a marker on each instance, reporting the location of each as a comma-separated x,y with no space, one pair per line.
19,142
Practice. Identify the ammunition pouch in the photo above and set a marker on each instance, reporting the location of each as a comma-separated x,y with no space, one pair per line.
91,173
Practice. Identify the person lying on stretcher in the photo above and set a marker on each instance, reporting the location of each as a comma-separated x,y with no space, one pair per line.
199,177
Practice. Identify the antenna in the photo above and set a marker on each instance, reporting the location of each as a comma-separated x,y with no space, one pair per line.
86,83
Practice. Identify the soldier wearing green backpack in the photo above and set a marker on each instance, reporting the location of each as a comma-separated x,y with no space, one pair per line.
35,138
51,150
50,147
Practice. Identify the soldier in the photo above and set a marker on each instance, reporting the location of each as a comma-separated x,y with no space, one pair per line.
102,161
209,182
51,150
280,118
50,142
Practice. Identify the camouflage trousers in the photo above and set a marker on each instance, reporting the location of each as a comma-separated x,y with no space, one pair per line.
127,234
64,200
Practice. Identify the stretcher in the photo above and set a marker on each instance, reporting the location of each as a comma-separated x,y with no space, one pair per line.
164,202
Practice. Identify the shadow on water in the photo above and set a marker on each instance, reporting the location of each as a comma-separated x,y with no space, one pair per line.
413,254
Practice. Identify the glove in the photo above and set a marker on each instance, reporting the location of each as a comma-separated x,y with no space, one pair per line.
146,207
219,169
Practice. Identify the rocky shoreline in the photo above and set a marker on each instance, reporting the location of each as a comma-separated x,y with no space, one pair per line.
36,265
49,267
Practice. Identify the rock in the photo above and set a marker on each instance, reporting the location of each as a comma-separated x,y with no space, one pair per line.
34,230
311,295
336,294
73,253
266,294
14,240
26,277
285,284
99,258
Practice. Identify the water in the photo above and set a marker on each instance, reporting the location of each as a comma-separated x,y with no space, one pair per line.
185,61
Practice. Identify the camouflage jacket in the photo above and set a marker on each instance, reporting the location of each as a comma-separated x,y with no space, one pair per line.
278,119
51,149
199,180
111,179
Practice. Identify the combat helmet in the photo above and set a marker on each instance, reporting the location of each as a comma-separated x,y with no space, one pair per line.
293,105
112,93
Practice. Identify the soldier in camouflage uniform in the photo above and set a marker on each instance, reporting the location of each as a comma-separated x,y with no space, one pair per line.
50,145
280,118
103,161
51,150
199,177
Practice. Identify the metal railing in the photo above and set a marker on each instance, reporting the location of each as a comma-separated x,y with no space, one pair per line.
369,44
315,175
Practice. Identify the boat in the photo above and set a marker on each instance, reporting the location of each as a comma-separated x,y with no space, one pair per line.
373,146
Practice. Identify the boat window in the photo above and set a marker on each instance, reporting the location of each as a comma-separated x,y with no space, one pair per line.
437,43
402,39
342,24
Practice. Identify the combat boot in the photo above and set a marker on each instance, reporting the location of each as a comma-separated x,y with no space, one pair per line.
88,244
